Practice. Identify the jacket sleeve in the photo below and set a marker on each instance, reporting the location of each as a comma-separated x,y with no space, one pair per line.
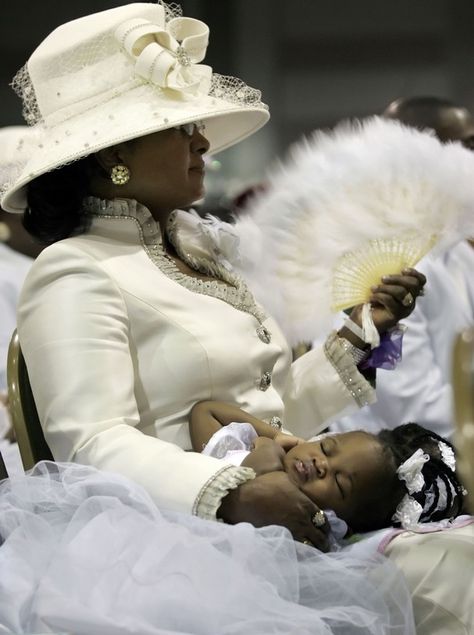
416,390
75,336
323,384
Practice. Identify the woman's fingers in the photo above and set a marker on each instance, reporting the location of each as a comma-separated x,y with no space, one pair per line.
409,279
403,288
395,291
314,533
409,271
273,499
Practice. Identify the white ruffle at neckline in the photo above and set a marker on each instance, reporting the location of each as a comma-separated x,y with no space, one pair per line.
200,243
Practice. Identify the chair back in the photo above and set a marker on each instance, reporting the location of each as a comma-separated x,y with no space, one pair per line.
24,416
3,468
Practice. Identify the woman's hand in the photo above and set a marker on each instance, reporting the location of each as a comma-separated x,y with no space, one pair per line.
272,499
393,299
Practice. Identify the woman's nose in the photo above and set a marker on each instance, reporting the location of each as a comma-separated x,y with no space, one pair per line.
199,143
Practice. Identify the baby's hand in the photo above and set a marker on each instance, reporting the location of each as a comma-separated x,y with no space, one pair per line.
287,441
265,456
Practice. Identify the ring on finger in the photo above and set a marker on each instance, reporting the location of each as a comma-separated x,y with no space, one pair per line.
408,299
319,518
307,542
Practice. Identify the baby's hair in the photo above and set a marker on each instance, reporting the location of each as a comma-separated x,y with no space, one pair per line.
441,495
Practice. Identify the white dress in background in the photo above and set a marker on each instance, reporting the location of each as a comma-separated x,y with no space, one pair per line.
89,553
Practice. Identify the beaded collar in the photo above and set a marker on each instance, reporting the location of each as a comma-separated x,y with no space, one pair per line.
196,252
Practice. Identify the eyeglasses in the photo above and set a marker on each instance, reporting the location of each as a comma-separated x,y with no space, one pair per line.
190,128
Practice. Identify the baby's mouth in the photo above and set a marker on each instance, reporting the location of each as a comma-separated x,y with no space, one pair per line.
305,470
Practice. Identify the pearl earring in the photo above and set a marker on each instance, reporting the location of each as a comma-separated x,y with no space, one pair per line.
120,175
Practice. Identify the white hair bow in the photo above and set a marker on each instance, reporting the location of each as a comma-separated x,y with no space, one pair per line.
169,55
411,471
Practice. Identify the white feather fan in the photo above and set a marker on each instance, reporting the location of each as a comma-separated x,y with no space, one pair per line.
344,209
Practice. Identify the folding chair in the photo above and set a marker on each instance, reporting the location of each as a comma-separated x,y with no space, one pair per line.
26,423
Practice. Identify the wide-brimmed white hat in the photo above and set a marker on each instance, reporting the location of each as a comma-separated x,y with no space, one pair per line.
17,143
121,74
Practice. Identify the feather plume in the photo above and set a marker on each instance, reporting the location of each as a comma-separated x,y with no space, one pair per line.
342,198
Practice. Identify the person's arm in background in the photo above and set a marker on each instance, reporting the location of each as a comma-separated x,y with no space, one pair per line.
419,388
325,384
208,417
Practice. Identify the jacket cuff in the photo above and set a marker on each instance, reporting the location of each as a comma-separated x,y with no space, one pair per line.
217,487
342,361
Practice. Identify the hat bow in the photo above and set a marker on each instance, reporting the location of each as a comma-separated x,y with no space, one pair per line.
169,55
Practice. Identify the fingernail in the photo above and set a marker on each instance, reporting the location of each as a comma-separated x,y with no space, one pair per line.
386,278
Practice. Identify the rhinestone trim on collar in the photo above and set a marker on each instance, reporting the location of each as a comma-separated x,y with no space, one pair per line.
235,292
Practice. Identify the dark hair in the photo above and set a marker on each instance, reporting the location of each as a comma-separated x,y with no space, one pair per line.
55,201
422,113
398,445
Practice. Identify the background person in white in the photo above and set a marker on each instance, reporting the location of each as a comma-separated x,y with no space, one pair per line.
419,388
17,251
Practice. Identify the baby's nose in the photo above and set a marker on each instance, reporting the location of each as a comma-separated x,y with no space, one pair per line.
321,465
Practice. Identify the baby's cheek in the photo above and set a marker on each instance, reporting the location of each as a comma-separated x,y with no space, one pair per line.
318,492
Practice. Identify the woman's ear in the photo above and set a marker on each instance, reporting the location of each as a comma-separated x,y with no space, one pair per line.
110,157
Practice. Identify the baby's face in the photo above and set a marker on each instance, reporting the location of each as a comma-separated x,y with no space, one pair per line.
338,472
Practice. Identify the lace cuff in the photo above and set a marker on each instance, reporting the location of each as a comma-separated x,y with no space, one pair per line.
342,361
209,498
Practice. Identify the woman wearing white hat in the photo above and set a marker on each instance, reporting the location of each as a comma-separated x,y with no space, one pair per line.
130,317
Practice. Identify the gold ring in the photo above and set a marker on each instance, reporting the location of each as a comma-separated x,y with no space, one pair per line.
408,300
319,519
307,542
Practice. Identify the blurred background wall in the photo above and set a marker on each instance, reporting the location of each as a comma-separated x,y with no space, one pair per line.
316,61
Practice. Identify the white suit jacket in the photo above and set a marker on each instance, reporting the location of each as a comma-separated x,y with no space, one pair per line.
419,389
119,347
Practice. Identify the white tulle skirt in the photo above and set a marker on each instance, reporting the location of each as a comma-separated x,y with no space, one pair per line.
89,553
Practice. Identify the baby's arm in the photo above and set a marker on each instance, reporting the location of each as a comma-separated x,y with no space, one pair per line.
207,417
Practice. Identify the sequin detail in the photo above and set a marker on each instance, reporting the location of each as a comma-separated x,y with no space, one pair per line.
356,384
264,334
265,381
275,422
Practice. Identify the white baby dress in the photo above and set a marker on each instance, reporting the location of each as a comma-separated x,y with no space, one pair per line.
89,553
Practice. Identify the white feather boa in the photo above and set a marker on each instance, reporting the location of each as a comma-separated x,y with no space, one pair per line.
367,180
